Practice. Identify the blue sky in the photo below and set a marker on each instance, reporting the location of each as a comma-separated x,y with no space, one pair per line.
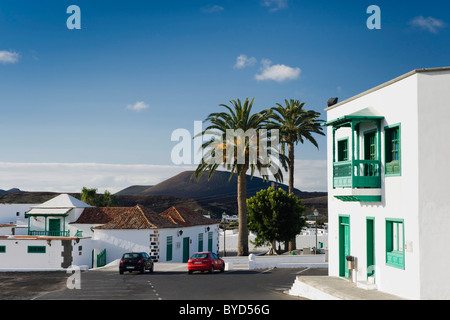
67,96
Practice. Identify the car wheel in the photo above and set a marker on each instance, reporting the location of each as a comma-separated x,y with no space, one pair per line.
121,271
143,269
151,268
189,271
211,270
222,269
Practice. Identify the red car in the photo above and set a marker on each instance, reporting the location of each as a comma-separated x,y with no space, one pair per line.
205,261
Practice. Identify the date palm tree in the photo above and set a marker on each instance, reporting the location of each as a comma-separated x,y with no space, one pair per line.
295,125
236,142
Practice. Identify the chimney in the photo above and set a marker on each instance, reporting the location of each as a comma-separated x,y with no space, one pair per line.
332,102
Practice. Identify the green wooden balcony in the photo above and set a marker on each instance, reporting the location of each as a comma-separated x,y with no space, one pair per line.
49,233
360,174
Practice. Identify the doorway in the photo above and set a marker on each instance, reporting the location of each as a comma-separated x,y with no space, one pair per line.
344,245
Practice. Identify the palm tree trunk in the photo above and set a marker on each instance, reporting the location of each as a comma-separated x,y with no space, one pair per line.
292,244
242,211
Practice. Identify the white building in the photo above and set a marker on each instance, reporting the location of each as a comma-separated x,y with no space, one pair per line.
388,176
65,231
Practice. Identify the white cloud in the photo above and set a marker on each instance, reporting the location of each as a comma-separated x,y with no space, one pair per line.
9,57
277,72
212,9
72,177
429,24
275,5
243,61
310,175
138,106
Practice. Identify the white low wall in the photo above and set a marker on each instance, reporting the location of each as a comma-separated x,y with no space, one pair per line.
231,242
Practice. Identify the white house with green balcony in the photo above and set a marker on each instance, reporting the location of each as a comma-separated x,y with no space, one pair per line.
388,193
52,217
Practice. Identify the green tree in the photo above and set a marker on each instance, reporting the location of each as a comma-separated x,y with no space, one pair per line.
91,197
274,215
236,154
295,125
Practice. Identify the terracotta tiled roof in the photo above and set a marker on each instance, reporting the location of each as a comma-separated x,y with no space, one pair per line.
183,217
101,215
140,217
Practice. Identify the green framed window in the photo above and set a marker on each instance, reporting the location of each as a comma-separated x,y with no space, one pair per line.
2,249
395,243
36,249
342,146
392,150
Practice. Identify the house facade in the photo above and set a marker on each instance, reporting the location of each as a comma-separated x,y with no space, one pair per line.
65,231
388,199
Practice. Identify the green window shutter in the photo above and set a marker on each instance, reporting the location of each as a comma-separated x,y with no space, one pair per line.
392,150
36,249
343,150
200,242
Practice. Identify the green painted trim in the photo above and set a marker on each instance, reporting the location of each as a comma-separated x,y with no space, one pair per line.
395,258
344,223
36,249
356,198
2,249
339,151
370,247
393,126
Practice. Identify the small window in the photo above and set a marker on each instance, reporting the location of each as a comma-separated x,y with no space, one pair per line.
392,150
2,249
36,249
343,150
395,243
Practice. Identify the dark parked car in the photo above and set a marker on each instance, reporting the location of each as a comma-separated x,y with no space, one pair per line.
135,261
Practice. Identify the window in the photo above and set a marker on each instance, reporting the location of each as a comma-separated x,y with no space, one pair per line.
392,150
395,243
343,150
2,249
36,249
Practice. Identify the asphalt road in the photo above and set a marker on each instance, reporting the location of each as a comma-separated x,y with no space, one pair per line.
160,285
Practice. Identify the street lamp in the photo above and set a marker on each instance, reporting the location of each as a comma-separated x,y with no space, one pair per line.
316,213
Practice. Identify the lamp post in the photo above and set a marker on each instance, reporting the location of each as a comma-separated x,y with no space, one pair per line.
316,213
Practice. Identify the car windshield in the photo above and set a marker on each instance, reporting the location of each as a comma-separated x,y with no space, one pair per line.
131,255
199,256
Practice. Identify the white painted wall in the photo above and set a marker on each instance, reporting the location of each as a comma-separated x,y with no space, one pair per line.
434,178
17,257
118,242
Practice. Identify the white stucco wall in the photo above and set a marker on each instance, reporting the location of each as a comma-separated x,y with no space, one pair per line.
118,242
16,256
434,177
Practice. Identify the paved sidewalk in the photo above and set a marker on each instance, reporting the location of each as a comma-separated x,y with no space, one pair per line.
334,288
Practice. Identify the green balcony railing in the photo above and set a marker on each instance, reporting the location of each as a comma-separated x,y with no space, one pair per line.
362,174
49,233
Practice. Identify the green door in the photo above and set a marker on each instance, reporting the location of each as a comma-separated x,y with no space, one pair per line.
370,245
210,241
344,245
169,247
185,249
54,227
